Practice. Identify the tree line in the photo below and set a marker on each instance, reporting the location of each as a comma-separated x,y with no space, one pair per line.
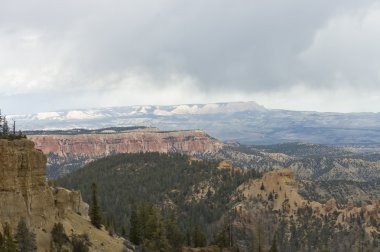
24,240
8,131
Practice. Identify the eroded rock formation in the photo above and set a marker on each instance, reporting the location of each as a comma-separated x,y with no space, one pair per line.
24,193
68,152
23,189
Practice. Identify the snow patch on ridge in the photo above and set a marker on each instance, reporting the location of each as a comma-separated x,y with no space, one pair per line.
47,115
185,109
79,115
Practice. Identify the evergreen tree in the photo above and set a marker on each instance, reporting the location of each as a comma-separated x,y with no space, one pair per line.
108,221
5,130
262,188
79,244
135,231
26,240
188,237
14,127
8,244
199,238
1,124
159,241
1,240
95,214
270,196
123,231
273,248
150,219
173,233
58,235
260,238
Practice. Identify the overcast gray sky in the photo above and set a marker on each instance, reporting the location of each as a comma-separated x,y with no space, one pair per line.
293,54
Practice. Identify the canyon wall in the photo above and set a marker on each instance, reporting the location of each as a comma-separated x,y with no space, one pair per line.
68,152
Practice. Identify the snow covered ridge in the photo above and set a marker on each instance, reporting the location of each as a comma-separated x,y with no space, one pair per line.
192,109
185,109
217,108
245,122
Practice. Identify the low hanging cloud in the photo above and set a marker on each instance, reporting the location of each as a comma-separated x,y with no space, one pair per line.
106,53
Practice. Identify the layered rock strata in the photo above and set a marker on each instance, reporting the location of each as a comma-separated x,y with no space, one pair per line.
67,152
25,194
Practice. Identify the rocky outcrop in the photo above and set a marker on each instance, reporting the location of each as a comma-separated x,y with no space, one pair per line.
24,193
67,152
280,187
67,200
23,189
274,202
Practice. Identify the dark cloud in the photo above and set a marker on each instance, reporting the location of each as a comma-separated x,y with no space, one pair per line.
247,47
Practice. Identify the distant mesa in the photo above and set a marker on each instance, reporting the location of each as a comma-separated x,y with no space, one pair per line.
170,110
244,122
69,150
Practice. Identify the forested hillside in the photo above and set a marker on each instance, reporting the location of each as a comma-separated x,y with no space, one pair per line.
169,201
194,195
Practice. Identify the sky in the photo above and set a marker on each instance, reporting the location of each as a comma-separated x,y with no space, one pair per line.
300,55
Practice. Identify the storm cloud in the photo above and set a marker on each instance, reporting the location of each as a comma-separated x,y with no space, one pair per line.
318,55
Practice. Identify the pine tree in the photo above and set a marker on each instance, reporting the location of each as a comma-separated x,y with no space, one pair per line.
26,240
270,196
273,248
1,240
150,219
173,233
1,124
260,238
58,235
8,243
123,231
159,241
79,244
199,238
14,127
5,127
188,237
262,188
135,232
6,132
95,214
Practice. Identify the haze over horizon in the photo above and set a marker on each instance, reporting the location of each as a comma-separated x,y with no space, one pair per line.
318,56
239,106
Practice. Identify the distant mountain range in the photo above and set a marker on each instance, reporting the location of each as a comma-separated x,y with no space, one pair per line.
245,122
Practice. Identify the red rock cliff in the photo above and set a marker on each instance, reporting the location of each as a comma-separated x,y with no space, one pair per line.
69,149
96,145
